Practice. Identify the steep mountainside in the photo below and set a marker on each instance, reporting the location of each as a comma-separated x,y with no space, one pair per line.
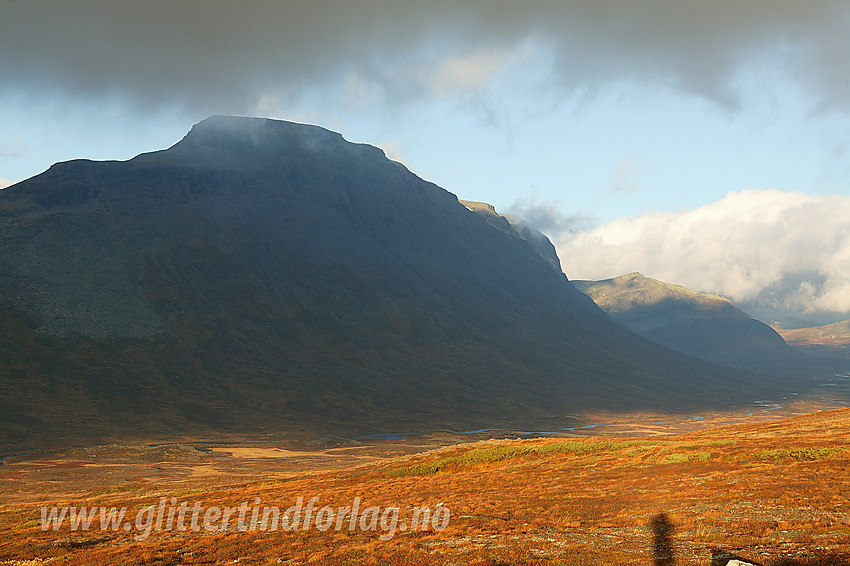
705,326
265,276
516,226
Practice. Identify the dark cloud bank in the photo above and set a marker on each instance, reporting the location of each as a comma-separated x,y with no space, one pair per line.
223,55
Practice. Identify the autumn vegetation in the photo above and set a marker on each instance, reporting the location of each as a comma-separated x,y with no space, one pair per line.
775,492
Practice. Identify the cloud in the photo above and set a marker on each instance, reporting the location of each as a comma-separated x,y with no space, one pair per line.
227,56
7,150
767,248
628,172
5,183
467,72
548,218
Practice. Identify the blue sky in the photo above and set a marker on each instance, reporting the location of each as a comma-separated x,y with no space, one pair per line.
587,118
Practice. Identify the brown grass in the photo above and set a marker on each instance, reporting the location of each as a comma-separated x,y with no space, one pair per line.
770,492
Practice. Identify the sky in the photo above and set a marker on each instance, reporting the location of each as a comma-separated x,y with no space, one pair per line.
700,143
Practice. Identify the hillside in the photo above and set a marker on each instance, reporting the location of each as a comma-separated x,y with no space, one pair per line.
702,325
831,340
775,493
266,276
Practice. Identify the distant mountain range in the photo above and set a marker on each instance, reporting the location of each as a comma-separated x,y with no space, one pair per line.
265,276
706,326
830,340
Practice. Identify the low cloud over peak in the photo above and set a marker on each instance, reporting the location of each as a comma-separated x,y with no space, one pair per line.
769,249
548,218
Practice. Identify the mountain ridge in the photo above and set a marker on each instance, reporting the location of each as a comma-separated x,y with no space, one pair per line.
518,226
703,325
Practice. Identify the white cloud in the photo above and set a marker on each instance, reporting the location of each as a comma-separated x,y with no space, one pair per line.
5,183
548,218
774,249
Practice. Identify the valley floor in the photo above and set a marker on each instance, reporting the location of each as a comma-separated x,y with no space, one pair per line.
763,487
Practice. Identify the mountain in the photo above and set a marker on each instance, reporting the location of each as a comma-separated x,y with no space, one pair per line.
831,340
515,226
267,276
706,326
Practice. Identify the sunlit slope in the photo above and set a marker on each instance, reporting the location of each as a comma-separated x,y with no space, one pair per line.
699,324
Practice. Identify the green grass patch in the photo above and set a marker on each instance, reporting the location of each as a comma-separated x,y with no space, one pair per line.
190,492
421,469
501,452
801,454
684,457
718,443
116,489
29,524
639,450
713,431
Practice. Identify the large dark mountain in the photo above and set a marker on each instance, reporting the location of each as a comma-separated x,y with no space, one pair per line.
702,325
265,275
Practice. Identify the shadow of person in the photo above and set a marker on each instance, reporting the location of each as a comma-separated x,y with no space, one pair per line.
662,544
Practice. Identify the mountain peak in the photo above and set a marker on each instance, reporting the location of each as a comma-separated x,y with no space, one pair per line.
257,130
648,290
482,207
227,142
